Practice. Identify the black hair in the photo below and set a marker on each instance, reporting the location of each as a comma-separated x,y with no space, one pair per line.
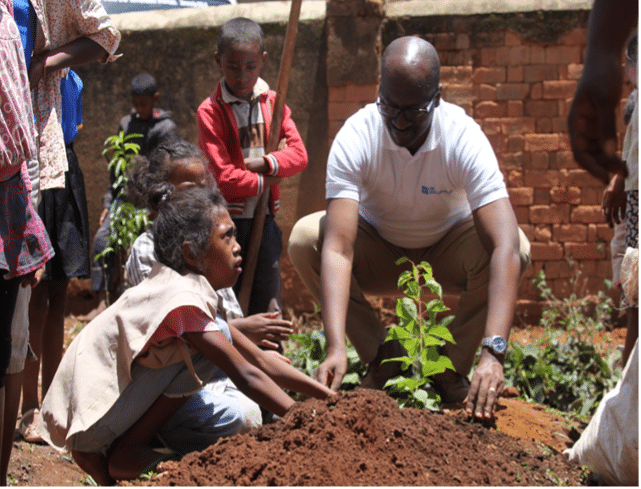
183,216
148,172
240,30
143,84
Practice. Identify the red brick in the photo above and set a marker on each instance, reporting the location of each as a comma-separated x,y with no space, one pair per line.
499,56
541,179
580,178
462,41
462,57
541,108
538,73
519,55
467,106
522,214
521,196
570,232
512,38
584,251
566,195
445,41
485,92
456,74
456,92
334,127
517,125
587,214
487,108
574,71
489,75
549,214
541,142
515,143
546,251
541,196
491,127
498,142
562,72
557,269
512,91
576,36
562,55
515,74
540,160
559,124
542,233
564,160
537,54
536,92
558,89
337,93
361,93
591,196
543,125
591,233
342,110
515,108
511,161
604,232
514,179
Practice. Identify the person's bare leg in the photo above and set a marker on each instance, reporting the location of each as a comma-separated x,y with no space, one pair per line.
54,332
37,316
11,403
102,305
131,452
632,334
96,465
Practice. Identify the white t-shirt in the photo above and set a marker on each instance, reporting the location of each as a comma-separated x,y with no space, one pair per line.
413,201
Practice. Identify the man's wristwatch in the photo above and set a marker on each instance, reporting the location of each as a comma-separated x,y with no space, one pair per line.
496,344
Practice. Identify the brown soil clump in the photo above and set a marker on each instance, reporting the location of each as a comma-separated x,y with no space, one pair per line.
363,438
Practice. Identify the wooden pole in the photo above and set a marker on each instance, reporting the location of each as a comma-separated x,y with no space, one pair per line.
249,267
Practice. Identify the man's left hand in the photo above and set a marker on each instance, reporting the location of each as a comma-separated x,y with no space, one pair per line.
486,386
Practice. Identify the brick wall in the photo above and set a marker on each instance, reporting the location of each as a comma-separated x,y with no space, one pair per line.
516,73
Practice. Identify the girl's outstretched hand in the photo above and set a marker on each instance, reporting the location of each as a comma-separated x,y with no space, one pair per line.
266,329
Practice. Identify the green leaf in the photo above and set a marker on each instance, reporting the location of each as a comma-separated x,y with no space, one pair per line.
442,332
351,379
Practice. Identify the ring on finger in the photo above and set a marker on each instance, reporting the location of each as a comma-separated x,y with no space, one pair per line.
492,389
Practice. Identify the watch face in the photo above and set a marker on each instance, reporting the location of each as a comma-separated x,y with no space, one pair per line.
499,345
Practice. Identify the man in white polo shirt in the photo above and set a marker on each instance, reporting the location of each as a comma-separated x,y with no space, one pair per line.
412,175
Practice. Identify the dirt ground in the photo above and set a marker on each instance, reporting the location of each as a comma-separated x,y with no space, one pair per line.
361,438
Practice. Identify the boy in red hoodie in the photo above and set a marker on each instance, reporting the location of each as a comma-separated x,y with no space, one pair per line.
233,127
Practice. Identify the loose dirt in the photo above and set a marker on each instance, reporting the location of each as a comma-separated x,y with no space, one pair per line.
363,438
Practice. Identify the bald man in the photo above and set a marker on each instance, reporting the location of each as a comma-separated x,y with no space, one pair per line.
412,175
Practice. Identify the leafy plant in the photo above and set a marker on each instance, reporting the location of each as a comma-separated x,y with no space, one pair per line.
421,335
127,221
564,369
308,351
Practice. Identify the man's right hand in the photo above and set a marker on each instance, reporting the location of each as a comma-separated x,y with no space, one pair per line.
331,372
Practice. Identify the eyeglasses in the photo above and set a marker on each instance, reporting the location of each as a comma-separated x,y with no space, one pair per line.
411,115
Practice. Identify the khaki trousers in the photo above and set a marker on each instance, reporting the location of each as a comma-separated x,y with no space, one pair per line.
459,262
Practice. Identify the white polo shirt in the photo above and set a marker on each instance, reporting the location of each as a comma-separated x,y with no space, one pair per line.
413,201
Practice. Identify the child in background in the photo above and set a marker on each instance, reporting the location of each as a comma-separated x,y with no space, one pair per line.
219,409
155,127
135,365
233,128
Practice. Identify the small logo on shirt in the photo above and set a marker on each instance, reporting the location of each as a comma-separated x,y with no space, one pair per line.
432,190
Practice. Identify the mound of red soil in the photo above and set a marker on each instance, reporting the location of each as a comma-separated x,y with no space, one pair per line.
363,438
